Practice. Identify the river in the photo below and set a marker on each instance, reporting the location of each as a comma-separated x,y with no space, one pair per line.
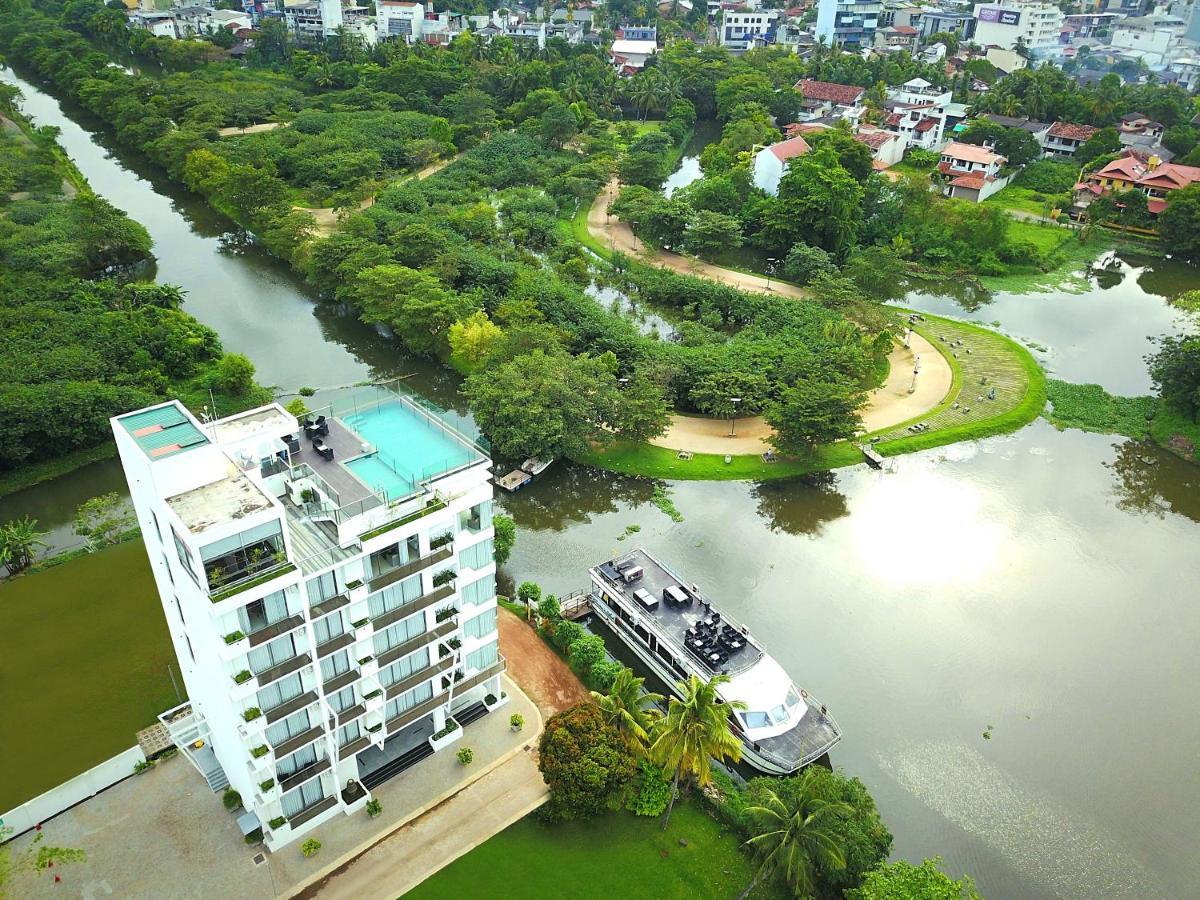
1039,587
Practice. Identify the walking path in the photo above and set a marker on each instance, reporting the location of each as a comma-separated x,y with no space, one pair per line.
249,129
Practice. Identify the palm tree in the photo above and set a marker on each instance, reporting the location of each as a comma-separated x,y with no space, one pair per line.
795,836
19,540
628,710
694,730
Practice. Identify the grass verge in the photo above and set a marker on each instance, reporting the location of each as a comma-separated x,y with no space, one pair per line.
618,855
73,694
36,473
1089,407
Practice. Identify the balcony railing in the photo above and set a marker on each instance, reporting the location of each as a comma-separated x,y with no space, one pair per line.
402,571
285,709
325,607
275,629
409,716
225,591
308,772
392,616
355,746
311,812
345,679
345,639
389,656
287,667
292,744
416,678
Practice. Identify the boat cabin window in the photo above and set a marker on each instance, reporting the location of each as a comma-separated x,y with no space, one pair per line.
776,715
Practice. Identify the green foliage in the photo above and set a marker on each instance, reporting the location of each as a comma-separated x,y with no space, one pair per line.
142,766
267,785
277,822
374,808
1049,176
803,263
566,633
1175,370
516,721
1104,141
585,653
102,520
651,791
310,848
548,608
584,762
810,413
1090,408
505,537
465,756
603,675
902,880
1179,223
19,542
231,799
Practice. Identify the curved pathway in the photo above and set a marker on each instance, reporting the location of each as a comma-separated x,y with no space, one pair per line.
888,405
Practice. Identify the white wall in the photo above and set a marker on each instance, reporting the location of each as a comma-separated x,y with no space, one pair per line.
768,170
67,794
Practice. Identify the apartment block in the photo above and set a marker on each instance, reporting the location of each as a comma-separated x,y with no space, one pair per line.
330,589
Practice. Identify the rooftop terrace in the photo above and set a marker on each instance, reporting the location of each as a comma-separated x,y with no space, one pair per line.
233,496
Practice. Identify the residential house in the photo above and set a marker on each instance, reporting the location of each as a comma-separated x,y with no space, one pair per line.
896,37
971,172
917,112
825,98
1140,124
741,29
334,621
771,162
1064,138
159,24
1039,130
629,53
399,19
887,147
1151,176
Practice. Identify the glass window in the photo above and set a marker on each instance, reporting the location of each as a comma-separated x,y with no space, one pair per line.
281,691
308,794
408,700
477,517
335,664
383,561
349,733
397,634
242,554
403,668
261,613
478,592
477,555
296,723
342,700
321,588
483,657
271,654
301,759
394,596
329,627
185,556
482,625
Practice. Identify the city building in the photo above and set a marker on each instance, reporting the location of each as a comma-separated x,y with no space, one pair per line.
947,21
896,37
917,111
825,99
848,22
399,19
1009,24
1064,138
971,172
314,20
329,588
770,162
743,29
1152,39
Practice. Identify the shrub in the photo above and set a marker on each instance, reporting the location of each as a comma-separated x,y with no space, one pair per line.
566,634
251,714
1049,176
231,798
233,637
254,837
260,750
603,674
444,577
144,765
490,699
585,653
374,808
310,848
465,755
651,791
529,593
277,822
266,785
921,159
516,721
804,263
585,763
450,727
548,608
242,676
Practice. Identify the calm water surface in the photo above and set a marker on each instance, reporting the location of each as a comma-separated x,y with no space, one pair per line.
1042,584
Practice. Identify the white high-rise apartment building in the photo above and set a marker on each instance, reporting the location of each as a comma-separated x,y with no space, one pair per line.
1002,24
330,589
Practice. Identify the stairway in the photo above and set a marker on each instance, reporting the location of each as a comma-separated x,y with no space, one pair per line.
472,713
391,769
216,780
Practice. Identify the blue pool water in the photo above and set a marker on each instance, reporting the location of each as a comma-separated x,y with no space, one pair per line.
408,449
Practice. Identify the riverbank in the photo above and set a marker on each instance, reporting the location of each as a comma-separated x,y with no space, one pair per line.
1089,407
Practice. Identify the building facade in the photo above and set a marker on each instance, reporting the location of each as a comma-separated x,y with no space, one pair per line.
330,593
848,22
1011,23
742,29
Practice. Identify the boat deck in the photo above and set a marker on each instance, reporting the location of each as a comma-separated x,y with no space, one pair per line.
811,739
672,621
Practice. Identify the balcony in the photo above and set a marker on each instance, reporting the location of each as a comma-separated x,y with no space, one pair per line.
416,678
307,815
287,707
383,620
216,595
276,629
287,667
349,714
387,657
298,778
337,682
355,746
292,744
480,677
411,715
403,570
334,644
325,607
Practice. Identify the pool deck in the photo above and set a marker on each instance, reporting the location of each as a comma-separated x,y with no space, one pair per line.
346,445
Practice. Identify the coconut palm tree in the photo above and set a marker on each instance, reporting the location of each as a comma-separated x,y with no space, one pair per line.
19,541
793,837
693,732
628,710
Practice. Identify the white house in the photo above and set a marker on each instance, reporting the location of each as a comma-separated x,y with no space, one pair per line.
887,147
1064,138
917,112
329,588
971,172
825,99
770,162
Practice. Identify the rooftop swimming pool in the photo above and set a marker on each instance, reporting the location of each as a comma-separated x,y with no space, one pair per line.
409,449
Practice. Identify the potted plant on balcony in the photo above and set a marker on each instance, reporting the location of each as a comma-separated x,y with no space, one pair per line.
308,495
492,702
448,735
444,577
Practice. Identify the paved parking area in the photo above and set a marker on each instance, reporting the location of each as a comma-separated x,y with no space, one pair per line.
165,834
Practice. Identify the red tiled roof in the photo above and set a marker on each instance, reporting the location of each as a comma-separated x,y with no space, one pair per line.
874,139
904,29
925,125
846,94
789,149
798,128
1070,131
973,180
1171,176
1154,206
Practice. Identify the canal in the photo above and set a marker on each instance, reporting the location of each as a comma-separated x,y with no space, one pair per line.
1039,588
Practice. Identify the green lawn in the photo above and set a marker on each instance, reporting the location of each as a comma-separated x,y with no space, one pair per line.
619,855
84,651
1022,198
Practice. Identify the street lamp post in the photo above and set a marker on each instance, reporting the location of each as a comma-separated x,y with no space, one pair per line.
733,420
770,271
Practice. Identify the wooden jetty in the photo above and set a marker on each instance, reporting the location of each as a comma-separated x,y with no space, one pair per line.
514,480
